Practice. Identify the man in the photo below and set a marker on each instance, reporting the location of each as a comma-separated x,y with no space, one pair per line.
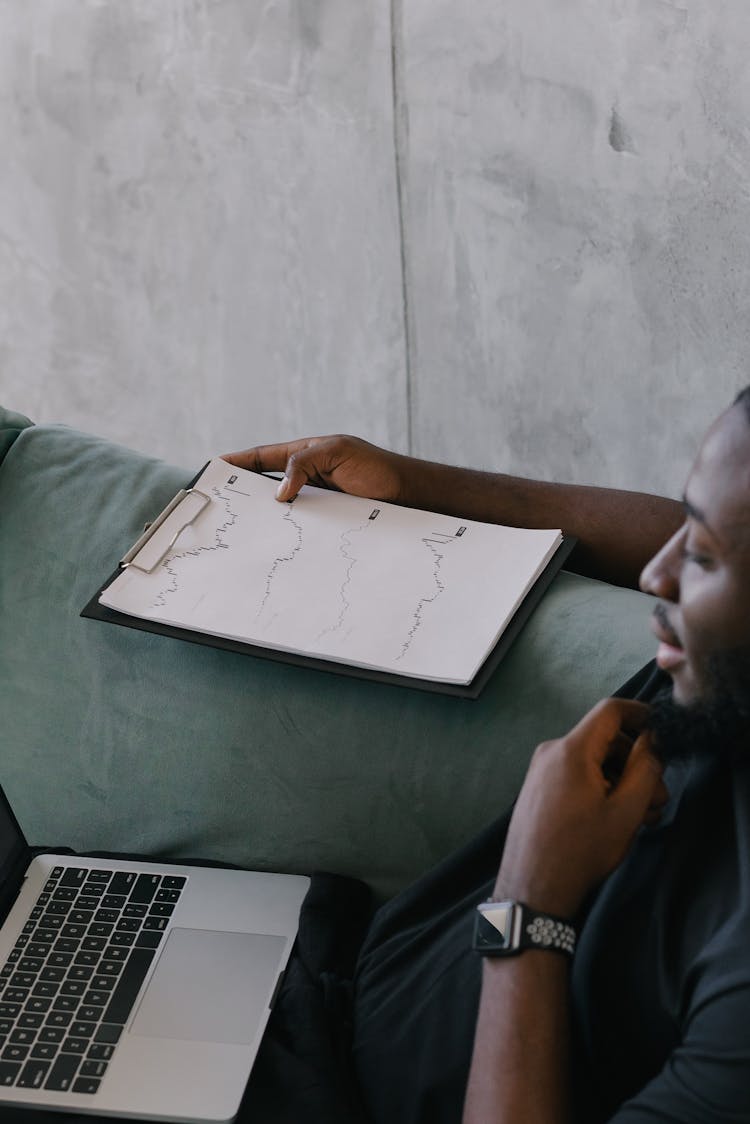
649,1021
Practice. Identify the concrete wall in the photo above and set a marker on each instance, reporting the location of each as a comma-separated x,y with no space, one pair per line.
514,235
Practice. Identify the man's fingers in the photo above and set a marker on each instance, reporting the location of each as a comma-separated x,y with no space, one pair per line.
609,719
641,782
263,458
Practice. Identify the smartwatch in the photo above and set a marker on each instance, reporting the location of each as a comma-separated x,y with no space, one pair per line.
507,928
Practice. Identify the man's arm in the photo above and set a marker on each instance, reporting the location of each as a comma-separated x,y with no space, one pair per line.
617,531
571,826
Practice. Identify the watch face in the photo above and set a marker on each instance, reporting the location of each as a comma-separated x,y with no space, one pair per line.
494,926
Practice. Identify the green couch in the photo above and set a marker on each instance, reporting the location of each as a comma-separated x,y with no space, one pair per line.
117,739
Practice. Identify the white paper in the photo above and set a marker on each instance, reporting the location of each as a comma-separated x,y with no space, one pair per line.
335,576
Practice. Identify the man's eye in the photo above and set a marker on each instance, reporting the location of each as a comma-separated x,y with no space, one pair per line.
696,558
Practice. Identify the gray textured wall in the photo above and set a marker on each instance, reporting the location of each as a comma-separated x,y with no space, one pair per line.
514,235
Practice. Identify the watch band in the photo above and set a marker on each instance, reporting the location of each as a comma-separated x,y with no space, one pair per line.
507,928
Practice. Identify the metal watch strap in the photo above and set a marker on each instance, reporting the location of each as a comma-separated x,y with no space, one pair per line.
507,928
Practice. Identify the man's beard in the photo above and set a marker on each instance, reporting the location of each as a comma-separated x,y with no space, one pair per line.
718,724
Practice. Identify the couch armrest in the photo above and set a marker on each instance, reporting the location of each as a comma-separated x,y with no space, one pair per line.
122,740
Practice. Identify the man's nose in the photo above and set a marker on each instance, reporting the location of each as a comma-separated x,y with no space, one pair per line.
661,576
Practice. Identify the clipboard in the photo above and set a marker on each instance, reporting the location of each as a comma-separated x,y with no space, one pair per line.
184,509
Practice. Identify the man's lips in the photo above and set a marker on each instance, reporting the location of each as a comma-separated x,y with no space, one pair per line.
670,654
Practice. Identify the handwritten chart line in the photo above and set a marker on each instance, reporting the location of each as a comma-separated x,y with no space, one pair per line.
218,544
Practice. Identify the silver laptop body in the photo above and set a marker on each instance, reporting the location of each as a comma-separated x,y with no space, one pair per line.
135,989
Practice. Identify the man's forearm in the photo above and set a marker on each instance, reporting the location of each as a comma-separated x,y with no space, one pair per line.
617,531
519,1069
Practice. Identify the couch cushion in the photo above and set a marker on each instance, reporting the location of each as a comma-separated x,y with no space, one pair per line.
117,739
10,426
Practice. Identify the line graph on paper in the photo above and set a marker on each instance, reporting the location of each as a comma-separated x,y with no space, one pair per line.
330,575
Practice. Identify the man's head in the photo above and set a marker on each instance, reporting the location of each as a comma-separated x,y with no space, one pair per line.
702,576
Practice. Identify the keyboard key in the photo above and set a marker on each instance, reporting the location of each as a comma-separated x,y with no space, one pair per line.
32,1075
74,987
173,882
75,1045
86,1085
82,1029
108,1033
9,1009
66,1003
9,1072
56,871
67,944
51,1034
52,975
30,964
36,949
100,1050
93,944
22,1037
128,986
46,990
123,882
102,983
110,967
148,940
50,885
80,972
15,994
171,896
93,1069
89,901
125,939
57,1019
97,998
135,910
73,876
58,908
46,935
159,909
32,1019
6,1026
37,1006
59,960
90,958
50,921
99,929
63,1071
111,953
80,916
127,925
46,1050
73,930
145,887
113,901
108,916
19,979
65,894
87,1013
158,923
99,875
13,1053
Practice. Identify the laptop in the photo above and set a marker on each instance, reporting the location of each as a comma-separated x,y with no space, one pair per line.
135,989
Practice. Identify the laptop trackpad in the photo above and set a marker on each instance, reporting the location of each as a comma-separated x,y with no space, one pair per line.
210,986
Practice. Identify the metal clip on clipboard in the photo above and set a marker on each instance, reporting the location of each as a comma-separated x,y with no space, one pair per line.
181,512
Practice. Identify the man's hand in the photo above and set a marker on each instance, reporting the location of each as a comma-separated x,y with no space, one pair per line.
583,800
348,464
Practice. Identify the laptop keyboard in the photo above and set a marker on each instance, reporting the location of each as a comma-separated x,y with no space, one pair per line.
71,980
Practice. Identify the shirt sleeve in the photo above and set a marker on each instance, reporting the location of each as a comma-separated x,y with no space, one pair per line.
706,1080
